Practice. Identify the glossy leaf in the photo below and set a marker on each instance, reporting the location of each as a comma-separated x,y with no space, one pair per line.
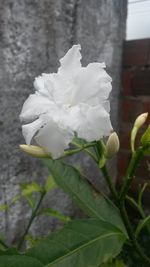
81,243
19,261
94,204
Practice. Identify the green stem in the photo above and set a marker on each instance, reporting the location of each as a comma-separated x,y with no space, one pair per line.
85,149
133,203
33,215
110,183
124,216
139,208
133,164
77,150
130,231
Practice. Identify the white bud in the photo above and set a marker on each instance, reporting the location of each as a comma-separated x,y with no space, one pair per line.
112,145
35,151
140,120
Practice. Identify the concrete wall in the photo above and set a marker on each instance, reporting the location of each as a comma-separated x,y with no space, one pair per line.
34,34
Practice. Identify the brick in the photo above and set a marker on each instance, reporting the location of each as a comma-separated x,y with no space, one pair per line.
142,171
131,108
140,83
136,53
126,82
123,159
146,108
125,140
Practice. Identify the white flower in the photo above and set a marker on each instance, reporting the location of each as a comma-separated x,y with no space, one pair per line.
73,100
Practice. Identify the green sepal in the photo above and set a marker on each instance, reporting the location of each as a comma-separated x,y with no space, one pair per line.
145,141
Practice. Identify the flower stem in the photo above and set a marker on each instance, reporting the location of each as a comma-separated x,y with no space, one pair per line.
79,149
133,164
130,231
120,204
110,183
135,205
33,215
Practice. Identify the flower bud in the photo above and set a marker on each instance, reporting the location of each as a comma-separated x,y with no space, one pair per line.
35,151
112,145
140,120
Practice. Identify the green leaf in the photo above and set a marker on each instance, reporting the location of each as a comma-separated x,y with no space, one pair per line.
81,243
4,207
55,214
9,251
145,139
102,161
94,204
142,224
15,199
19,261
31,200
116,263
28,189
50,184
32,240
102,155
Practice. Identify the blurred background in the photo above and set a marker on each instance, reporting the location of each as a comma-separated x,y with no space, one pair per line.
135,92
34,35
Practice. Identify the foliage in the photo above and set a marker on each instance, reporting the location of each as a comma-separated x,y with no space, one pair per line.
106,237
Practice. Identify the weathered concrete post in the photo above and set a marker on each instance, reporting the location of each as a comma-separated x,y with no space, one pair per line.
34,34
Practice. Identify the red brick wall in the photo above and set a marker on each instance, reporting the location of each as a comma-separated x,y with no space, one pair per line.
135,99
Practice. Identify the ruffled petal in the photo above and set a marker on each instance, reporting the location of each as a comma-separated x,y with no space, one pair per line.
71,62
54,138
92,84
34,106
90,123
72,100
29,130
44,85
62,89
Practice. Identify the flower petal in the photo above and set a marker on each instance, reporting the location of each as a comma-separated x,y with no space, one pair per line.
90,123
54,138
92,84
70,63
44,85
72,100
62,89
29,130
34,106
